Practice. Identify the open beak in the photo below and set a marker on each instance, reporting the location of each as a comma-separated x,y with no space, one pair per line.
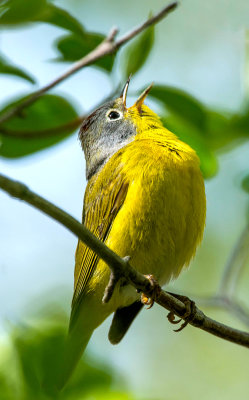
124,91
142,97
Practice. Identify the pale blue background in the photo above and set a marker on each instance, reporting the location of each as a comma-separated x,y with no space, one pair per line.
199,48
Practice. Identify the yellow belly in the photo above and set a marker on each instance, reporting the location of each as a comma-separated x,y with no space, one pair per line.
162,219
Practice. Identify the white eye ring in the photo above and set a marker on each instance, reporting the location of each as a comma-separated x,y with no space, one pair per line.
114,115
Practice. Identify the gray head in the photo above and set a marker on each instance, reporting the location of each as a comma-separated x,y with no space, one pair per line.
107,130
103,133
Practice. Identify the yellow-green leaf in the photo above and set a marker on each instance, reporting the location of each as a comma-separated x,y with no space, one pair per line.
137,52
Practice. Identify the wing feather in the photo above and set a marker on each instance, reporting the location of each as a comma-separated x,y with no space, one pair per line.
100,209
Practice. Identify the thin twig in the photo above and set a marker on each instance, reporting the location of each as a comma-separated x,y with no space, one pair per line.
226,303
151,21
121,267
235,265
226,293
107,47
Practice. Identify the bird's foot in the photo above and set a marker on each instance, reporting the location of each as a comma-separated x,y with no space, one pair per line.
150,300
189,314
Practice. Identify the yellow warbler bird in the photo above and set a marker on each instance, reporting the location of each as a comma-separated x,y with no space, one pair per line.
145,199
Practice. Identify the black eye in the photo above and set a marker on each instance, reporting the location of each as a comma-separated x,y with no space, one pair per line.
113,115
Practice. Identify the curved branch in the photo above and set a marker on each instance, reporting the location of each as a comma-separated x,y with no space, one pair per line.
108,46
121,267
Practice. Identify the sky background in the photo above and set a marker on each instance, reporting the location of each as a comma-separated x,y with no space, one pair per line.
199,48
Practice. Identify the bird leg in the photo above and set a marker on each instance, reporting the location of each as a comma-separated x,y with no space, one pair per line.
189,313
149,300
115,277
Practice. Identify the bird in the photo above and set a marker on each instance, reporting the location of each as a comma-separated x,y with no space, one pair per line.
145,199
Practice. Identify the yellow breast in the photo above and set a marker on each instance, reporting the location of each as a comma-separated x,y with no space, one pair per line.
162,218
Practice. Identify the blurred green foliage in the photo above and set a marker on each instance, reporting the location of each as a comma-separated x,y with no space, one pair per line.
7,68
34,357
207,131
16,12
137,52
73,47
33,360
245,183
33,129
181,104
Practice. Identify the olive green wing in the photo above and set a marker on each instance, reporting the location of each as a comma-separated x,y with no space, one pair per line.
100,209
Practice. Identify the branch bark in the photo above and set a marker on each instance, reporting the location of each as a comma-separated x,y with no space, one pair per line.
108,46
121,267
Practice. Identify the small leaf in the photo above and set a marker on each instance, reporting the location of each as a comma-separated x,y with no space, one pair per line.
182,104
20,11
59,17
73,47
245,183
7,68
48,112
137,52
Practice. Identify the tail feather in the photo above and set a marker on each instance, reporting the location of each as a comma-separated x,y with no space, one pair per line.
74,347
122,320
90,314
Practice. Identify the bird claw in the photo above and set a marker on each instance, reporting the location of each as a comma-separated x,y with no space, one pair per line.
150,300
189,314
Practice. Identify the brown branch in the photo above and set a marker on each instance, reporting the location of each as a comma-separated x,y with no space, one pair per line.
225,295
107,47
121,267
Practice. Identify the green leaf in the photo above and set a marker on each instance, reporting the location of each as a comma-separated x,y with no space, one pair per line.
137,52
240,122
13,12
7,68
245,183
59,17
47,113
191,136
73,47
181,104
221,132
39,350
20,11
